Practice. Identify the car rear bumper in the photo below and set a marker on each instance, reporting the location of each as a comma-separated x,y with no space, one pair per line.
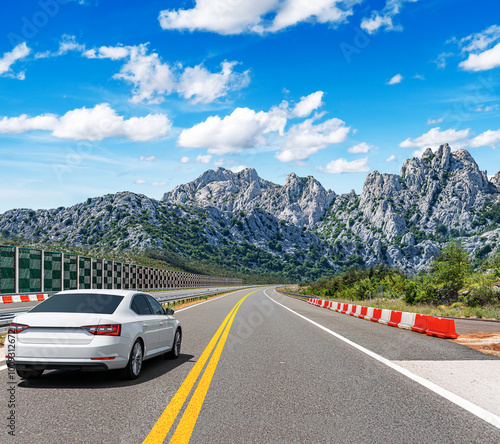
105,353
98,366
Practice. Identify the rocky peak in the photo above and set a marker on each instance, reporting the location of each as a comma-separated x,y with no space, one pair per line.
495,180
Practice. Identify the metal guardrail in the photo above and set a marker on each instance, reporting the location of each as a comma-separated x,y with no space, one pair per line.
296,294
6,318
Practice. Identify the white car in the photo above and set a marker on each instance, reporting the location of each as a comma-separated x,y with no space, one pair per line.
94,330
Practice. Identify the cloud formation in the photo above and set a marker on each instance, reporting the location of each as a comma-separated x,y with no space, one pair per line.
245,129
488,138
255,16
344,166
434,137
306,138
308,104
91,124
398,78
242,129
362,147
482,50
8,59
383,20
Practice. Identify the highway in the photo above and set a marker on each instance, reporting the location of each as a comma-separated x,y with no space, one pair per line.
7,311
260,367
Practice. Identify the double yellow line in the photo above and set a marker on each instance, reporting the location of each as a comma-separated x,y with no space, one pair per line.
186,425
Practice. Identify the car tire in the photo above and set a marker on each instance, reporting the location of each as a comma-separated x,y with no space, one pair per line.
29,374
134,364
176,346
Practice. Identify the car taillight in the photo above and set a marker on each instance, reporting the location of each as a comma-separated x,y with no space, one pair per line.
14,328
103,330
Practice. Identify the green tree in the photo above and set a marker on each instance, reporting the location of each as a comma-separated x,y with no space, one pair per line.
451,268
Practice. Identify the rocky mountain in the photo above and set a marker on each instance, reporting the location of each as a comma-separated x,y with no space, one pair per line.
301,201
298,230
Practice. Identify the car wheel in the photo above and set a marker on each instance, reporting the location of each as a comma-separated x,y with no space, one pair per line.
29,374
134,365
176,346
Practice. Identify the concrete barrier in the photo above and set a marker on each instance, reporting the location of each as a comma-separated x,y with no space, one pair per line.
23,298
432,325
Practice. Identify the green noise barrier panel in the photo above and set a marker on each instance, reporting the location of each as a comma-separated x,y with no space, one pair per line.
7,269
52,271
107,274
85,272
30,270
70,271
96,273
126,276
117,278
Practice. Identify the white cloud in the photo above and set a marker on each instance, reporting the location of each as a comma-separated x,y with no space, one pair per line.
24,123
488,138
362,147
67,44
237,169
434,121
95,123
441,59
480,40
308,104
140,181
200,85
151,78
242,129
482,49
483,61
184,159
391,158
398,78
108,52
343,166
158,184
19,52
383,20
433,138
147,159
255,16
486,109
305,139
203,159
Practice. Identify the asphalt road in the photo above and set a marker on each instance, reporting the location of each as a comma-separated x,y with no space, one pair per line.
274,377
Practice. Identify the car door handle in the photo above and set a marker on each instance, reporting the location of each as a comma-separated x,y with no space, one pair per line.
145,326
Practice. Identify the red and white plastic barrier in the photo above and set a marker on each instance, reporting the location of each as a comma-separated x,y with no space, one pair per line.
431,325
23,298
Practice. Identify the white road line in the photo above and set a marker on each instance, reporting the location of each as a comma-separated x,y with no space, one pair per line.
461,402
3,367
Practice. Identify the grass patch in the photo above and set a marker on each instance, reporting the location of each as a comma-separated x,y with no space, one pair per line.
2,339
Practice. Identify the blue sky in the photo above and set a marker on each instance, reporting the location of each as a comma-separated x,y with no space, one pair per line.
105,96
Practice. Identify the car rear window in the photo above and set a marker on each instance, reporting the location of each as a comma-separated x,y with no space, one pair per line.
79,303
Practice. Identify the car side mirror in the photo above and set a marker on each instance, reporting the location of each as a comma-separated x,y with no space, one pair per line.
169,311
